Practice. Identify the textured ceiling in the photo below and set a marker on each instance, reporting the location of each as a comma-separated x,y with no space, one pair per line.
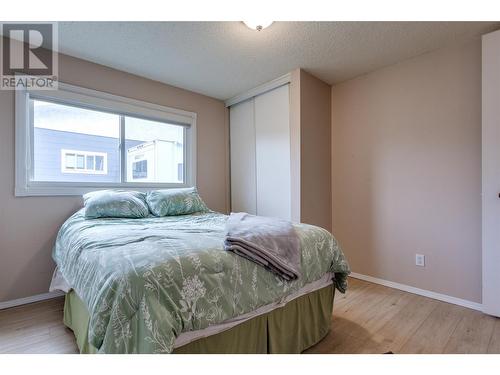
222,59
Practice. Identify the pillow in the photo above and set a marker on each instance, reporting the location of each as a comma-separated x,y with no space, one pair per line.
172,202
115,203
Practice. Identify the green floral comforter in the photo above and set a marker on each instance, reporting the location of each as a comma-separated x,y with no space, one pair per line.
144,281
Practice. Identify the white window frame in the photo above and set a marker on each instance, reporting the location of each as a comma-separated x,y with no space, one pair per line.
101,101
86,170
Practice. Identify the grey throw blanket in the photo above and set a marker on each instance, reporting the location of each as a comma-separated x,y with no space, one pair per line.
270,242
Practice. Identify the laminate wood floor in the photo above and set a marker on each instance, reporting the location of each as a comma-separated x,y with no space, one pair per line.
369,318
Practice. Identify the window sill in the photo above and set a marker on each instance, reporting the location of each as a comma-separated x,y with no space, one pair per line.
49,189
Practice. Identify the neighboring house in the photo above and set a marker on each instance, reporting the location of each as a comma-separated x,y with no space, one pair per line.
75,157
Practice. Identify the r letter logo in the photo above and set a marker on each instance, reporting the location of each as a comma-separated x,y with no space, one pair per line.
29,56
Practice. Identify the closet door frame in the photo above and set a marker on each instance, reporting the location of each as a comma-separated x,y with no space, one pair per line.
242,157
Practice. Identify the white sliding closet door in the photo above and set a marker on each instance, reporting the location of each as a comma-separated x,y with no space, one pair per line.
272,150
242,139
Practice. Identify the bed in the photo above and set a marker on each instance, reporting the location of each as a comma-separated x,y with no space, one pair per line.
166,284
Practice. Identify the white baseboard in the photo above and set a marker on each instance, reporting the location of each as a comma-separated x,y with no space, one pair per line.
31,299
390,284
420,292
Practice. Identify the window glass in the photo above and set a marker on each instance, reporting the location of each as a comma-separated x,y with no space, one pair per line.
140,169
75,144
80,161
70,161
99,163
79,144
154,151
90,162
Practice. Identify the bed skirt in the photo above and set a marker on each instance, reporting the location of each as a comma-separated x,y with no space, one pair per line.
292,328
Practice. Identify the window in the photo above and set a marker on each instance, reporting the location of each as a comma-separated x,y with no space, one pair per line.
91,162
140,169
65,136
75,140
84,162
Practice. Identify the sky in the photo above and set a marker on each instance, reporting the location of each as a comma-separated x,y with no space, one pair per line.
77,120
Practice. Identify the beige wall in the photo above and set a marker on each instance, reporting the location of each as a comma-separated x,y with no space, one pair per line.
406,172
28,226
315,151
310,137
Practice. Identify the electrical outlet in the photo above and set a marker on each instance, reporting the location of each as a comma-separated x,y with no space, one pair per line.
420,260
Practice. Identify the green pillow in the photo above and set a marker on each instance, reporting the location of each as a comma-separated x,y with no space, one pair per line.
172,202
115,203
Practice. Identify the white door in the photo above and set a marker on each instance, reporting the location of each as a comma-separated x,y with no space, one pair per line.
242,151
272,134
491,172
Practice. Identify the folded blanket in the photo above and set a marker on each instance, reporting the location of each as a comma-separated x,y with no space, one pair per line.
267,241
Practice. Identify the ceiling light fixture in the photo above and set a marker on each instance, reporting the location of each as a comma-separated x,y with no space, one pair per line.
257,25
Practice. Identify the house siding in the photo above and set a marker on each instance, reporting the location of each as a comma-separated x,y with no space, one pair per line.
48,144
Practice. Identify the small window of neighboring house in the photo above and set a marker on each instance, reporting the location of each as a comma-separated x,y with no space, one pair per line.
91,162
140,169
74,140
69,161
85,162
